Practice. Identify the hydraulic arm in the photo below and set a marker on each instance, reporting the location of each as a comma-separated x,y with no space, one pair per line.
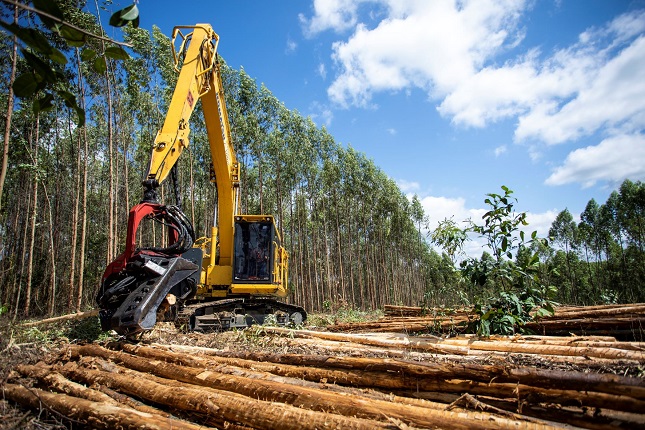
229,279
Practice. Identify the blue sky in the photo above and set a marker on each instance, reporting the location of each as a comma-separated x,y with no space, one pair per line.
453,99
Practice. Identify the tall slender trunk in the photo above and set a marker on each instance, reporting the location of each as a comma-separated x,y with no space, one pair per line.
110,143
339,250
34,214
23,266
52,279
7,127
81,254
74,239
192,189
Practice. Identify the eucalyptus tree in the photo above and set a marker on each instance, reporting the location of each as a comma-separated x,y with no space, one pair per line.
564,232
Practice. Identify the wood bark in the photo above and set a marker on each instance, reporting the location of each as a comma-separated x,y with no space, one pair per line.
33,216
241,409
7,124
352,369
250,383
391,381
99,415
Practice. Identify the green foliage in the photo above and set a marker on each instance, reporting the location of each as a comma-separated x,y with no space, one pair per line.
512,271
4,309
449,237
86,330
129,14
45,78
339,312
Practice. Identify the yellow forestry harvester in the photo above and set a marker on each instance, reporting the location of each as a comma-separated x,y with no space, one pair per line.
230,279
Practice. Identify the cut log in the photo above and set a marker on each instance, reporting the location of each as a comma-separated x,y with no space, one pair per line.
99,415
59,383
304,397
474,345
390,381
317,367
237,409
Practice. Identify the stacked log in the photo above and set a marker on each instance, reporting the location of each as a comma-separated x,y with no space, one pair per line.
622,321
178,386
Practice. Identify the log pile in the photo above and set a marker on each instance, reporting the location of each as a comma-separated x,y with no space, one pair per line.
384,381
625,322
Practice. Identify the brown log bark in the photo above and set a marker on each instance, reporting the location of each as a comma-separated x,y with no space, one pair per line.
609,353
304,397
59,383
441,348
99,415
316,367
248,411
598,311
392,381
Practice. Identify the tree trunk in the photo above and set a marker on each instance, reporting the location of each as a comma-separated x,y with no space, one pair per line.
51,305
7,127
34,215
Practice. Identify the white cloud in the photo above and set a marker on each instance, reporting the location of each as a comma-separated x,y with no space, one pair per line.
391,131
612,96
614,159
337,15
500,150
431,45
440,208
408,187
540,222
322,71
450,49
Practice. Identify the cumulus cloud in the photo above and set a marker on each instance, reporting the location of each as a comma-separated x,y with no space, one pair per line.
612,96
337,15
430,45
450,50
408,187
613,160
453,51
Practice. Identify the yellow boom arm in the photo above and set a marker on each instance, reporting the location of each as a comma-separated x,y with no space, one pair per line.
199,78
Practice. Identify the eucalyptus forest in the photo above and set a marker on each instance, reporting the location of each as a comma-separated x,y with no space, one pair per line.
353,237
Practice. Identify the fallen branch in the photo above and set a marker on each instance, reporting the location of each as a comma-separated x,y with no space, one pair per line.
69,317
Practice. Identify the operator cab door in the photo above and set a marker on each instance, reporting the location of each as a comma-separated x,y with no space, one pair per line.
253,250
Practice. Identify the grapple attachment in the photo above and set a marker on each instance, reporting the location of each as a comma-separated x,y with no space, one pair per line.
144,282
